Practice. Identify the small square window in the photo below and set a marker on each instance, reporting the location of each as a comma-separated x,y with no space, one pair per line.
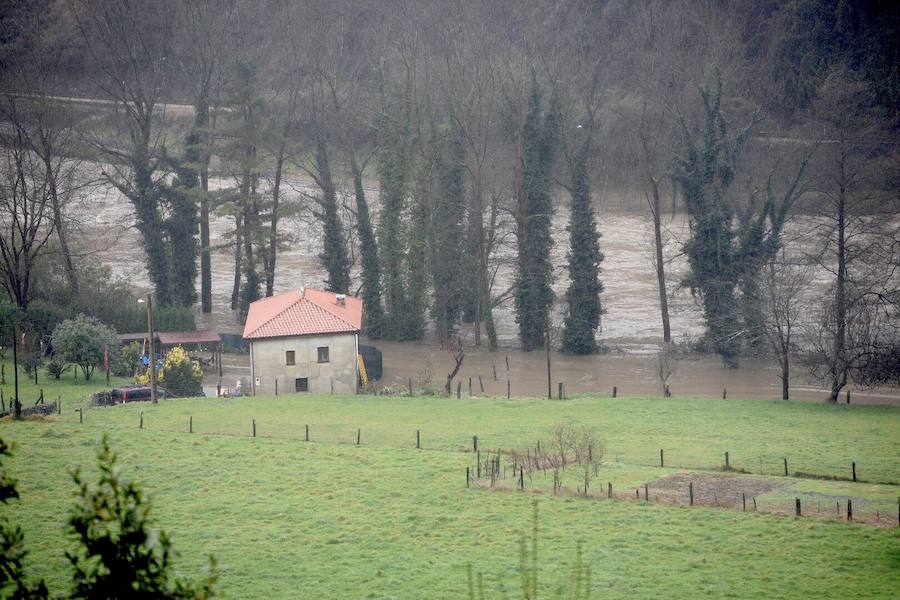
323,354
289,358
301,384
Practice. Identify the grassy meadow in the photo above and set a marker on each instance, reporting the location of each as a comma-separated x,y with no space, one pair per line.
332,519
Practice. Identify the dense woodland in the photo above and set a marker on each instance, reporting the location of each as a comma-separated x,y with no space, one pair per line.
476,120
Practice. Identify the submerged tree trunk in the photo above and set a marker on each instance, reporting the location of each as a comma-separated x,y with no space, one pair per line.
660,265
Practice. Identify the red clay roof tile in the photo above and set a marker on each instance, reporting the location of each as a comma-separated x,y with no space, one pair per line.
302,312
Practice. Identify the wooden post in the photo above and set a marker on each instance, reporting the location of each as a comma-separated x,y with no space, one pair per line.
307,433
219,390
744,502
608,489
458,389
2,402
191,424
615,391
467,476
41,398
358,436
478,460
559,393
507,363
691,492
797,506
727,463
470,387
58,405
418,439
646,492
495,372
724,393
661,461
848,395
849,509
410,387
522,478
785,468
142,420
668,392
507,389
254,427
481,384
637,493
81,415
854,471
276,386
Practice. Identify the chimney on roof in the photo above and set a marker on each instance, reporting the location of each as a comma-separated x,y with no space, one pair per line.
340,299
302,292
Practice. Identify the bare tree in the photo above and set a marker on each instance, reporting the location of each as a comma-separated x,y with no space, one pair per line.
783,306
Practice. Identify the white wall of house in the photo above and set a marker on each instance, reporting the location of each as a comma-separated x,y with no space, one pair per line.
269,363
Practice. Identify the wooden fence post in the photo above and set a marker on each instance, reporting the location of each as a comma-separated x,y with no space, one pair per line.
458,389
743,501
646,492
507,363
785,468
81,415
661,461
849,509
848,396
191,424
470,387
495,372
474,443
559,394
481,384
358,436
410,387
467,476
522,478
418,440
478,460
307,433
854,471
142,420
615,391
254,427
276,386
507,389
691,492
609,490
797,506
724,393
727,463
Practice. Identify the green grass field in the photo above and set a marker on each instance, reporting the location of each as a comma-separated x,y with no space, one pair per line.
288,518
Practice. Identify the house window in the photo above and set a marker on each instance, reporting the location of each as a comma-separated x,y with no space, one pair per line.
323,354
301,384
289,358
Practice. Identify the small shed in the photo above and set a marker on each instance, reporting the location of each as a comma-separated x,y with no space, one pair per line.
202,339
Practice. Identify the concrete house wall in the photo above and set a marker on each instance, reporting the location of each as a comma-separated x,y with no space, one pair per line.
268,364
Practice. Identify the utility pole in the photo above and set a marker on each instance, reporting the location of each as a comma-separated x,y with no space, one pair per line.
153,397
17,406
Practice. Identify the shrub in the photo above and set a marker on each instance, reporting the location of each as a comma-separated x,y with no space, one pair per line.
180,375
119,556
56,367
30,363
82,341
128,360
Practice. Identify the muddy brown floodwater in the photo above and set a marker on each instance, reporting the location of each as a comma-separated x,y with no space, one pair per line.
631,327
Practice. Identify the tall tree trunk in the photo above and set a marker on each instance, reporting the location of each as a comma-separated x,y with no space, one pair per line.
202,122
371,268
660,265
839,368
273,224
785,372
61,234
236,288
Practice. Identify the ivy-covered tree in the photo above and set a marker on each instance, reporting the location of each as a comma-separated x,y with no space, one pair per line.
539,145
373,314
393,175
583,295
334,254
729,243
448,231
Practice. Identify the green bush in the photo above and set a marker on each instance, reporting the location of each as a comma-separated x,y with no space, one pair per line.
30,363
128,360
82,341
56,367
179,375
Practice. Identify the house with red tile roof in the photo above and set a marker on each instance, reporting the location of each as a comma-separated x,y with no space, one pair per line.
304,340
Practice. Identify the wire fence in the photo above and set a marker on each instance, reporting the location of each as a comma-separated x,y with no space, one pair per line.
731,484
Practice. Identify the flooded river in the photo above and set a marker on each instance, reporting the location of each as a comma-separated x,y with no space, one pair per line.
631,326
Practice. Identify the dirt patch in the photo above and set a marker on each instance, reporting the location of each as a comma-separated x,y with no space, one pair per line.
711,489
